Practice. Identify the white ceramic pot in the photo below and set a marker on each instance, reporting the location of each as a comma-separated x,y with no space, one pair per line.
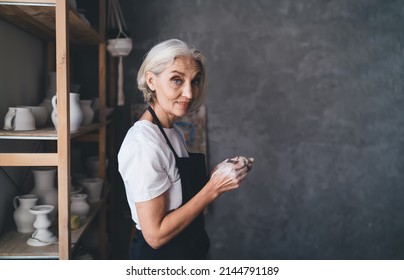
93,187
42,236
19,118
79,205
40,113
88,112
119,46
23,218
76,115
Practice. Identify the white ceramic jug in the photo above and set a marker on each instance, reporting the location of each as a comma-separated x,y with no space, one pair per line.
76,115
23,218
88,112
19,118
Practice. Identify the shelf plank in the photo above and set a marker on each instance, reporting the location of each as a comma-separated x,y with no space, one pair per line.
47,133
29,2
40,21
28,159
13,245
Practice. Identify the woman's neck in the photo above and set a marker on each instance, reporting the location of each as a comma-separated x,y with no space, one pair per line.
165,119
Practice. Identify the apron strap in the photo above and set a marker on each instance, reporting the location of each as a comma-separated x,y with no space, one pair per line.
157,122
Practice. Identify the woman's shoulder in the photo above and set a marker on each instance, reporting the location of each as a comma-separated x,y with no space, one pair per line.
143,134
143,130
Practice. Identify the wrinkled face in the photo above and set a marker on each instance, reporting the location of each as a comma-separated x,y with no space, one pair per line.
176,87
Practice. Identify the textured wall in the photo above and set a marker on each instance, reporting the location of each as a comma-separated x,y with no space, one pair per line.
314,91
21,81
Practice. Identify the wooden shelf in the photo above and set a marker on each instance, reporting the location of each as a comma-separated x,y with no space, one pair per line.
48,133
40,21
56,22
13,245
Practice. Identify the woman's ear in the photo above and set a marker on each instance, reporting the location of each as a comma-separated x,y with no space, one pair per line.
150,78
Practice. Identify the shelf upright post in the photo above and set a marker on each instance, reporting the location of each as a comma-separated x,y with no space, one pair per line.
63,127
102,133
102,89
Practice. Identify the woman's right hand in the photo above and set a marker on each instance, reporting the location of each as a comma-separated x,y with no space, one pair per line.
230,173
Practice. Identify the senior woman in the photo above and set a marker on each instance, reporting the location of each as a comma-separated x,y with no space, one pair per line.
167,187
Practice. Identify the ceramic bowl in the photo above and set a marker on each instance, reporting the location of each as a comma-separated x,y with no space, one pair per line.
119,46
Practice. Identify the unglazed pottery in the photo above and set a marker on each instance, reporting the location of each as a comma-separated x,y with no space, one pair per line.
19,118
42,236
45,188
93,187
88,112
40,113
79,205
76,115
23,218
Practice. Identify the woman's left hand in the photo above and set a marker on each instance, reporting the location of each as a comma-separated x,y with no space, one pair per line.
230,173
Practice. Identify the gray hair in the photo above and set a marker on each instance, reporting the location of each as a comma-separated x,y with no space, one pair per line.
163,55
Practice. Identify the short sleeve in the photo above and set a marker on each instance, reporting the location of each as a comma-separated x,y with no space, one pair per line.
144,170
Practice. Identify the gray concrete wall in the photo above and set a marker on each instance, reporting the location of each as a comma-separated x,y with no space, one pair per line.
21,84
314,91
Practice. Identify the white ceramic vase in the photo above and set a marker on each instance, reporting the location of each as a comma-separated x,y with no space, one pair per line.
88,112
45,189
79,205
42,236
76,115
93,187
23,218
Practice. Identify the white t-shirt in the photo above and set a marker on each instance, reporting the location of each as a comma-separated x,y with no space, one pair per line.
147,165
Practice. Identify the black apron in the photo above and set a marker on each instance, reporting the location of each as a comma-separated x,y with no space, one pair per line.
193,242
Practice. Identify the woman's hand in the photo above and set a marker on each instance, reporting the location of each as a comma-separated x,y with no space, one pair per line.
230,173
